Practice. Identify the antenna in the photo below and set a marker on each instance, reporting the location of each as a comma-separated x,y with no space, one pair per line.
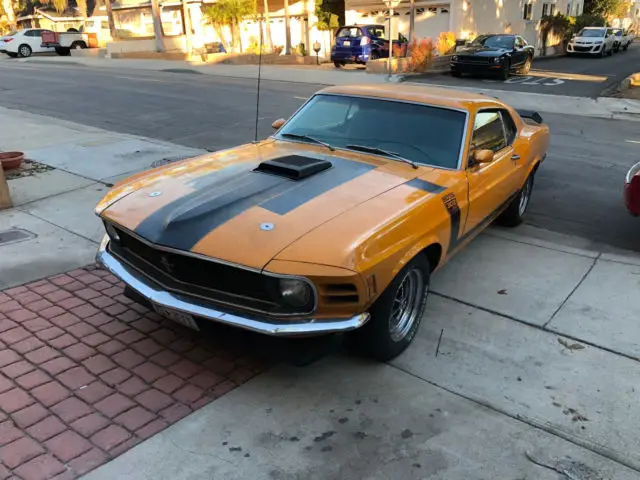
259,75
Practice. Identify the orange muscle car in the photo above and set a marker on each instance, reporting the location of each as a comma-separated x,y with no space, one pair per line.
335,223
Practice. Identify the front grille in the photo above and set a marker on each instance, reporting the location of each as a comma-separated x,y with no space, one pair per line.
578,48
214,281
474,60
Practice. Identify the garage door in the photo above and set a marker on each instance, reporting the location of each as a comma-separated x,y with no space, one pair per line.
429,21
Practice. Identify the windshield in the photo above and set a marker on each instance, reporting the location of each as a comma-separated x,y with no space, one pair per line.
421,133
594,32
497,41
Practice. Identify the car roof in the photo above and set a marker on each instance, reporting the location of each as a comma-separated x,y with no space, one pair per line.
427,95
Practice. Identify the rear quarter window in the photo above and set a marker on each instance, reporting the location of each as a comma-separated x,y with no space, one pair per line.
349,32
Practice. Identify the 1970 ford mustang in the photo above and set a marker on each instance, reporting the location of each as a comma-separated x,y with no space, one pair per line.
335,223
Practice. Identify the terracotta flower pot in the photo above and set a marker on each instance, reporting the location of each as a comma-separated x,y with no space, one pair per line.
11,160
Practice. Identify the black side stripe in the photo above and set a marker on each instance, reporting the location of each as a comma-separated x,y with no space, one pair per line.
426,186
451,204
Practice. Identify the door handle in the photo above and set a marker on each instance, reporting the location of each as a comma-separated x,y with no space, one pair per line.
515,157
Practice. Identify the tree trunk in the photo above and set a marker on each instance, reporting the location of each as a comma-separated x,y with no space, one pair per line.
7,5
186,14
157,25
238,34
412,20
112,25
268,25
287,29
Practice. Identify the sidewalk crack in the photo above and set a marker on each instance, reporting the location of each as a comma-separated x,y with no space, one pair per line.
564,302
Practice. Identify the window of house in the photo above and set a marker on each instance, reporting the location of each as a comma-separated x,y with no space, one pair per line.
568,8
527,14
548,9
488,132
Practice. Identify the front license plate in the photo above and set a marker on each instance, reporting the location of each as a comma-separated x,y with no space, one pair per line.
346,43
177,316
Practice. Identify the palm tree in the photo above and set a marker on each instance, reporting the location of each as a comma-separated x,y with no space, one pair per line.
230,12
10,13
268,25
287,29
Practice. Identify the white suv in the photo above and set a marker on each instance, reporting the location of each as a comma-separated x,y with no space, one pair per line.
24,42
592,41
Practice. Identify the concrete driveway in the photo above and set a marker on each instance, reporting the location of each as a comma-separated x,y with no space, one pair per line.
574,76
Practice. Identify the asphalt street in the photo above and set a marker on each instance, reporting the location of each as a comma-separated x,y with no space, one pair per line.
578,190
581,76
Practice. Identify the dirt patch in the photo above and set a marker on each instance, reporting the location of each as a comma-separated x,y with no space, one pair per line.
28,168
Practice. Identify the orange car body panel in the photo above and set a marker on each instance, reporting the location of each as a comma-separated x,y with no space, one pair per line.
360,233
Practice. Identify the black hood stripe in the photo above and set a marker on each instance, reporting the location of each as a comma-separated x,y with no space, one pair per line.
227,193
426,186
343,171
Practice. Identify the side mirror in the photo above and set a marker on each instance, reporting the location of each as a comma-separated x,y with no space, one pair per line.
278,124
482,156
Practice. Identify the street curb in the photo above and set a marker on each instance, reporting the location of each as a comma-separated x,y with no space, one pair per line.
182,70
47,62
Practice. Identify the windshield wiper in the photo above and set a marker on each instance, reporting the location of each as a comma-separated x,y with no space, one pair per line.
309,139
379,151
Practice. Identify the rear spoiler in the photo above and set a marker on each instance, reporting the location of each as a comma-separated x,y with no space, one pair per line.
535,116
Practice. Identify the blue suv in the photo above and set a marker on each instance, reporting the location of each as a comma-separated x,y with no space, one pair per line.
361,43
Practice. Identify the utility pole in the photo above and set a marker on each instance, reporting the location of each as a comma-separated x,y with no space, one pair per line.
287,29
188,30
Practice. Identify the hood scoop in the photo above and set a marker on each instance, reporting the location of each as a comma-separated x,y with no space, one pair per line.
294,167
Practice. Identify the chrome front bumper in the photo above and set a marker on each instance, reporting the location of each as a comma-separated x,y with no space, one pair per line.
201,309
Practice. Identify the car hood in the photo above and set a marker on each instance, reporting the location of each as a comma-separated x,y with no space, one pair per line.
483,51
217,205
588,39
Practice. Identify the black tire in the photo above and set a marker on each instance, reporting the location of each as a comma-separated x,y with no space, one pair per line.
524,70
24,50
603,52
625,48
456,73
376,337
338,64
78,45
514,214
506,71
610,52
62,51
374,56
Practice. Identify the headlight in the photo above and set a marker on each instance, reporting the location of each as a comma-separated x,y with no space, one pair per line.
454,58
296,293
497,60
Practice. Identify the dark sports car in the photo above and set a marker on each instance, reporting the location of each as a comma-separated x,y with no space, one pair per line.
494,54
632,190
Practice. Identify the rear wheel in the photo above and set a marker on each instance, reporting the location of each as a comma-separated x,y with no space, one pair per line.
78,45
62,51
625,47
24,50
456,73
514,214
396,315
526,67
338,64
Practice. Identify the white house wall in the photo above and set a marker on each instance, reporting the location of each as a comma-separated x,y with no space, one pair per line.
430,18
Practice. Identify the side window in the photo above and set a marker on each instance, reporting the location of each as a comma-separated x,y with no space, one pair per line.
488,133
30,33
510,129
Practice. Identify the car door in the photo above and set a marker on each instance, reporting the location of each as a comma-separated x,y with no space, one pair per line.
35,40
493,184
519,54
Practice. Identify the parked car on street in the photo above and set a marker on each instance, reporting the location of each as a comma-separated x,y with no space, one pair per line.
333,224
622,39
493,54
592,41
361,43
64,42
632,190
23,43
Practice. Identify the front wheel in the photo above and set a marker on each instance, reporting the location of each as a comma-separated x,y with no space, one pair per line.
396,315
456,73
338,64
505,72
610,52
24,51
514,214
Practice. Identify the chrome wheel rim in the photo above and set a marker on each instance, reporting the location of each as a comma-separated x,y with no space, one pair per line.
524,197
527,66
406,305
24,51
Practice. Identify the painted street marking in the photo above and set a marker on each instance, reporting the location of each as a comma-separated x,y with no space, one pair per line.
301,98
632,141
528,80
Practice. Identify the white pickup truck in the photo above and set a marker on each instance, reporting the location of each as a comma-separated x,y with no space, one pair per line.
622,39
64,42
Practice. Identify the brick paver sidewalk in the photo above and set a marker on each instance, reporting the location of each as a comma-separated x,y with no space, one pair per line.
85,374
